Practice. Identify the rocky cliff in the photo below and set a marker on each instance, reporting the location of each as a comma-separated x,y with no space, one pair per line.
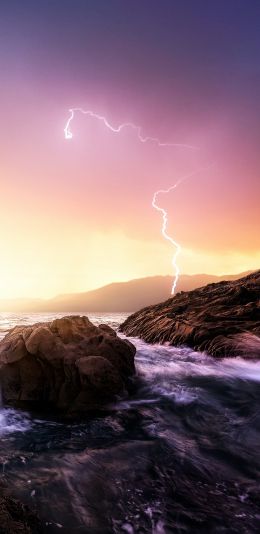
222,319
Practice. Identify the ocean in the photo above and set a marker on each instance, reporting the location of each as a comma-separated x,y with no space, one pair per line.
180,455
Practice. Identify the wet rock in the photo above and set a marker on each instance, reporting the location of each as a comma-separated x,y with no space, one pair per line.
222,319
69,364
16,517
100,373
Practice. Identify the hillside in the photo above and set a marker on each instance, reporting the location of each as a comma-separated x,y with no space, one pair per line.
117,297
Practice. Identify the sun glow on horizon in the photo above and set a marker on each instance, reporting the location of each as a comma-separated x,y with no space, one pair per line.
43,267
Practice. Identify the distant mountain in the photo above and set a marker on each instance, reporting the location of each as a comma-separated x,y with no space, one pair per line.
118,297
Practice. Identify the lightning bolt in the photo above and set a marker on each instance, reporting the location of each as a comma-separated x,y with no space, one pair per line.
143,139
165,221
165,235
118,129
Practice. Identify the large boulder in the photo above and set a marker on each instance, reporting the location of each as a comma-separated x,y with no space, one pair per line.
69,364
222,319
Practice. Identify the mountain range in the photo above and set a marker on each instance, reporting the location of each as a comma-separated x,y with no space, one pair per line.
116,297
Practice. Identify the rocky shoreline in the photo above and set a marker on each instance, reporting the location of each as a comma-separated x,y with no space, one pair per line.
71,366
68,366
222,319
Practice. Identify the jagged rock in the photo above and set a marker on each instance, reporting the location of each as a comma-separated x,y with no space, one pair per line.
16,517
69,364
222,319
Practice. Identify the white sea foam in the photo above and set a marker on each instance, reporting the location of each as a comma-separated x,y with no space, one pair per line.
13,421
163,369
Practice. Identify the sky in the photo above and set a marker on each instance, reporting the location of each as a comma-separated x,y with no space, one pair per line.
76,214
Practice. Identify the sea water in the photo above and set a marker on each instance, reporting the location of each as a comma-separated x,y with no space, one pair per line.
180,455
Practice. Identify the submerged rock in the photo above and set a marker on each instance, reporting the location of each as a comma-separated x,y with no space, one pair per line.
69,364
222,319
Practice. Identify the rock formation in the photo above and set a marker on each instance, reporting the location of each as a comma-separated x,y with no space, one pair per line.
68,364
222,319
